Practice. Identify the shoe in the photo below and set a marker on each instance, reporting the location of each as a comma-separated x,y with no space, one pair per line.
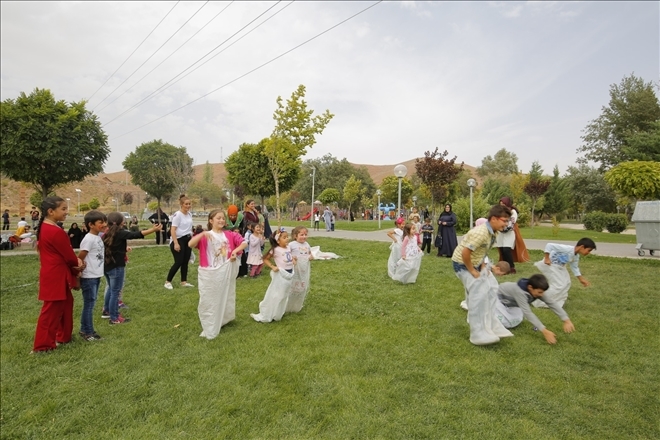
186,284
168,286
512,271
105,314
89,338
120,320
96,336
123,306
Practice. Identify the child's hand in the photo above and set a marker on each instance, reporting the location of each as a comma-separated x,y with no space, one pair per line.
128,248
232,257
547,261
549,336
295,260
568,326
275,269
584,281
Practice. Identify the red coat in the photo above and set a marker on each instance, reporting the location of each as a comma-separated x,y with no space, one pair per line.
57,263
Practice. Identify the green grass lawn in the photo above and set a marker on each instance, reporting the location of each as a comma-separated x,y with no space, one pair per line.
366,358
547,233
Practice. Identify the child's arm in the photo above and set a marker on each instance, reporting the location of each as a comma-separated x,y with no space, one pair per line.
584,281
267,258
236,250
546,258
391,235
196,239
466,254
156,228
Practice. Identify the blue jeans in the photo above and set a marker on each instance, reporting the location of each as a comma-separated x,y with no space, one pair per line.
90,290
115,279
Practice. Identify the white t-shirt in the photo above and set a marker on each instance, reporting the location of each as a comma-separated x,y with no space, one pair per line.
183,223
95,248
216,249
283,258
300,249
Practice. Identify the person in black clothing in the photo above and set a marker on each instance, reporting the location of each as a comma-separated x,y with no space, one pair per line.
75,235
160,218
5,220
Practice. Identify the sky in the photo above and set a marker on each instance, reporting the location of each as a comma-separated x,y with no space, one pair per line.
401,78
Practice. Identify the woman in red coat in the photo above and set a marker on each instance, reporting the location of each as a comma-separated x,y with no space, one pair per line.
59,267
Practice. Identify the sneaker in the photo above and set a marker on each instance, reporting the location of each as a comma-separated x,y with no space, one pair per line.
89,338
168,286
123,306
120,320
105,314
186,284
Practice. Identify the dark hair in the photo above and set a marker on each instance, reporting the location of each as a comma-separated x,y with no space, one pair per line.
587,243
247,202
183,198
273,241
53,202
93,216
115,220
450,207
499,211
213,214
297,230
538,281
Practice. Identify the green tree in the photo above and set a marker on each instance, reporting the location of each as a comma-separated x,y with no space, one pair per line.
589,191
504,163
437,173
637,179
182,171
556,198
390,188
329,196
494,188
94,203
537,186
295,131
149,166
48,143
633,109
644,145
353,190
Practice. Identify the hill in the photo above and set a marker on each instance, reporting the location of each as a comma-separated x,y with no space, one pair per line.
106,186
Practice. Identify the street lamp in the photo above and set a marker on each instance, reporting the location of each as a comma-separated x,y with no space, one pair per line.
78,191
116,203
414,200
471,183
400,172
311,216
379,192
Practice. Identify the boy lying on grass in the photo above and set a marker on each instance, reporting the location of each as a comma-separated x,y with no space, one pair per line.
515,299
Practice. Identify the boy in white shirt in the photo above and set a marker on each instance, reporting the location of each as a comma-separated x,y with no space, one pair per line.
92,253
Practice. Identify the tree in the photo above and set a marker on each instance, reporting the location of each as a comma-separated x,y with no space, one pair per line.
390,188
182,171
94,203
589,191
150,165
504,163
295,131
556,198
494,189
637,179
437,173
353,190
329,196
644,145
48,143
615,136
127,199
537,186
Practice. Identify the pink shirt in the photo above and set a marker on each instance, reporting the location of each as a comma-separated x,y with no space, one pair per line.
234,240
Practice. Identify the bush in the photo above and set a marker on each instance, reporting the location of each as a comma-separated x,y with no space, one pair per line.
461,208
616,223
524,215
595,221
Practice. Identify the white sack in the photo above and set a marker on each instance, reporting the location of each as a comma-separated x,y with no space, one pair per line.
318,255
273,305
407,270
217,297
510,317
395,256
299,285
559,281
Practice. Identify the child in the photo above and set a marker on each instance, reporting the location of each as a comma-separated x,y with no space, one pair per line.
500,269
255,242
517,297
332,222
396,235
553,266
317,219
273,305
302,252
115,241
470,268
91,246
217,272
59,267
418,227
407,268
427,235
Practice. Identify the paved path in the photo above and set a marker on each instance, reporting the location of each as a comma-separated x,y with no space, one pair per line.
604,249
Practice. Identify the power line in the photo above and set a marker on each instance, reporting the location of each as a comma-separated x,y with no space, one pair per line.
163,87
168,57
145,61
253,70
145,39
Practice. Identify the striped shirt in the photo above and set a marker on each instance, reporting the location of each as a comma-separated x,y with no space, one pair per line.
479,240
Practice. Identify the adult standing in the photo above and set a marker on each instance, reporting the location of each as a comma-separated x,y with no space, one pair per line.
5,220
35,215
75,235
263,219
447,232
327,218
250,216
181,233
159,217
234,218
506,240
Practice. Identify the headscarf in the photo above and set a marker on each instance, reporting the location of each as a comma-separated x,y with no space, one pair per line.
507,202
232,210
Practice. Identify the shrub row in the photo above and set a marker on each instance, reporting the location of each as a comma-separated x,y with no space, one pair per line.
598,220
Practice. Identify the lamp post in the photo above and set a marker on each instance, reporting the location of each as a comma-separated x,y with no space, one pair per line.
78,191
471,183
414,200
116,204
400,172
311,216
379,192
